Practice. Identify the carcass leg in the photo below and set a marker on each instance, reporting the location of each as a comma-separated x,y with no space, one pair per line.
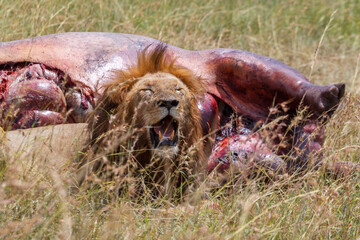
33,95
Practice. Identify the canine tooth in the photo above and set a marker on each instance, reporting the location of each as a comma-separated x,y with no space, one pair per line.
160,135
172,135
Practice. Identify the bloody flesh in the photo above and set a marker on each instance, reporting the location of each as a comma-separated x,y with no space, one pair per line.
33,95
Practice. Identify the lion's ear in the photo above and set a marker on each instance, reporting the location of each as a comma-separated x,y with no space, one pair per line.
113,96
99,121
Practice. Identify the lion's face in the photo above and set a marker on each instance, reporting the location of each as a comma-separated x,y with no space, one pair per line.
162,105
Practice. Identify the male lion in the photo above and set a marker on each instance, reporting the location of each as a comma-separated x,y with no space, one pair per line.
151,111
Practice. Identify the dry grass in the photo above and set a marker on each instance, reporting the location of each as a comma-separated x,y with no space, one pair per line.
37,204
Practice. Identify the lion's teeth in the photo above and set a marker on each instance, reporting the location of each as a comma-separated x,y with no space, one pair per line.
160,135
172,135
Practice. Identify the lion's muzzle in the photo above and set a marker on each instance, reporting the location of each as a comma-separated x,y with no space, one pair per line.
168,103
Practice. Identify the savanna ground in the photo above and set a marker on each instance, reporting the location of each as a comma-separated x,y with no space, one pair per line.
319,38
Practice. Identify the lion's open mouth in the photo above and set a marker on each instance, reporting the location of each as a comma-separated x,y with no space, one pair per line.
164,133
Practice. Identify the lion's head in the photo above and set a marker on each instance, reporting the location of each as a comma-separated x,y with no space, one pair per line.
162,104
156,103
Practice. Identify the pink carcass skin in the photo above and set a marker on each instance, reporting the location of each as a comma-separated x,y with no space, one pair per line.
57,79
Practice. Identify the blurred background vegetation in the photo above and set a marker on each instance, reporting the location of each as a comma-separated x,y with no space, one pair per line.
287,30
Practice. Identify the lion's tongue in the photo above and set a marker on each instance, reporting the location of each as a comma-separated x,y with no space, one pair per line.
166,129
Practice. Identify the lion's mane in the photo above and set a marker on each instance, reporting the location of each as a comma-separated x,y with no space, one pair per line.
118,123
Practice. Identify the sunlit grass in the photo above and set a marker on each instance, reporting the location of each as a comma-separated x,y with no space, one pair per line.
38,204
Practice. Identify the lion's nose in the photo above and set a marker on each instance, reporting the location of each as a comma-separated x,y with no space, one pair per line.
168,103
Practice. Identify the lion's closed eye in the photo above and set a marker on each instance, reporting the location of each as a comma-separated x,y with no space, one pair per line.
180,91
147,91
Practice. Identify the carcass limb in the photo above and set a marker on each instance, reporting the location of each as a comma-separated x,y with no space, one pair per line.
33,95
252,84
